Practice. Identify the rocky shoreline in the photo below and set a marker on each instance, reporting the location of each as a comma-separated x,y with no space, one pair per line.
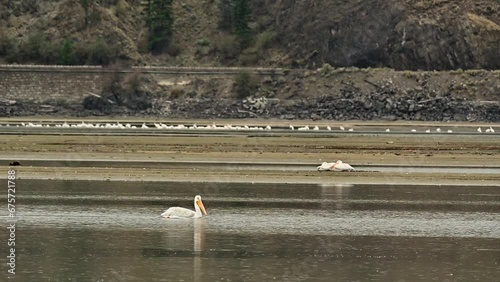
323,94
348,106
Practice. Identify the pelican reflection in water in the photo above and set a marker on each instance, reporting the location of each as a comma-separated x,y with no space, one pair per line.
178,212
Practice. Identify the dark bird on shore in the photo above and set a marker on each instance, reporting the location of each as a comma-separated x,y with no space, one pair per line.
15,163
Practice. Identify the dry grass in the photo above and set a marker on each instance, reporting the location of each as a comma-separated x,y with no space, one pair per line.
483,22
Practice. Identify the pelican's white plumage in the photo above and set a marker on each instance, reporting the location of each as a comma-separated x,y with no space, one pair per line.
325,166
340,166
336,166
178,212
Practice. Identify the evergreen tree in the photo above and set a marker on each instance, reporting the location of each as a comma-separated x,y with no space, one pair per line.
147,13
66,54
242,14
86,6
226,14
159,18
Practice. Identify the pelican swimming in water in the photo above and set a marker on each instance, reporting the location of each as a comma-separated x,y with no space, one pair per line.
336,166
178,212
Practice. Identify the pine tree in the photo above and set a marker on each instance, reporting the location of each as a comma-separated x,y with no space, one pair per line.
159,18
147,13
242,15
226,14
66,54
86,6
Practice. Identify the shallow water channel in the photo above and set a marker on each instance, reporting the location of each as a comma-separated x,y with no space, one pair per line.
111,231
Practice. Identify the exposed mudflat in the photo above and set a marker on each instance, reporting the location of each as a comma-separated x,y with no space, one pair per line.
69,153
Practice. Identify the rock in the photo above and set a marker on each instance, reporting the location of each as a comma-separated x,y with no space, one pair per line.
389,117
315,116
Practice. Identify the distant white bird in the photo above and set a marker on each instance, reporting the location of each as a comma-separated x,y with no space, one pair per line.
438,129
178,212
342,128
449,131
268,127
351,129
487,130
144,126
291,127
336,166
492,130
428,131
479,130
316,128
413,130
387,130
304,128
328,127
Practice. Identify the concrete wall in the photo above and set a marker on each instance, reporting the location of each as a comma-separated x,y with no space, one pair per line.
73,83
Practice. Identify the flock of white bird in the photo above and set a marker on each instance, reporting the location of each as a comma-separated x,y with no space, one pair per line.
118,125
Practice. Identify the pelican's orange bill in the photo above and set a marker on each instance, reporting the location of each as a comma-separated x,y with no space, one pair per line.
200,204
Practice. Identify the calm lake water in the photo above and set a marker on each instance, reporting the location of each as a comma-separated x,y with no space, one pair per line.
111,231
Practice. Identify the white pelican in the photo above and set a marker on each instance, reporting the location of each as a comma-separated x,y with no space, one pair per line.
387,130
492,130
325,166
336,166
178,212
328,127
291,127
316,128
428,131
304,128
479,130
438,129
449,131
351,129
413,130
487,130
341,128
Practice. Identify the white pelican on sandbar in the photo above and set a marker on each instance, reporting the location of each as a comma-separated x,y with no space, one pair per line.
336,166
178,212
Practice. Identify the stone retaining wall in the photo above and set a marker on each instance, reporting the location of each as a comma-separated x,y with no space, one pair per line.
39,83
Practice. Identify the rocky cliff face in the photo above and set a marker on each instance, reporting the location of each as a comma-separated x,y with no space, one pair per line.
400,34
408,34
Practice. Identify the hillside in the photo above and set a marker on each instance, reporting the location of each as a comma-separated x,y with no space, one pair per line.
408,34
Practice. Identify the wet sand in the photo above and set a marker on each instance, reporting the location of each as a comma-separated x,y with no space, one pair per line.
356,149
